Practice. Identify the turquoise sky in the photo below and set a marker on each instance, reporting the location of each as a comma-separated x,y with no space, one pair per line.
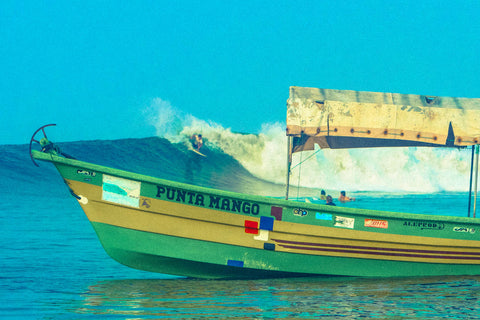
94,67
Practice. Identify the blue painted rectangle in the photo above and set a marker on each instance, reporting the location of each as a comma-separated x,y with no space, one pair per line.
266,223
323,216
235,263
269,246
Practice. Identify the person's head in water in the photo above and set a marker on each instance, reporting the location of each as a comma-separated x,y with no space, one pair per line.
330,201
323,195
343,197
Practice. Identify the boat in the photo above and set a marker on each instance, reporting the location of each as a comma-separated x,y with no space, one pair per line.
175,228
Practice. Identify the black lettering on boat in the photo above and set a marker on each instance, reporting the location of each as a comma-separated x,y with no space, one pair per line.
181,195
190,197
160,191
246,207
170,194
236,205
424,225
214,202
226,204
255,209
199,200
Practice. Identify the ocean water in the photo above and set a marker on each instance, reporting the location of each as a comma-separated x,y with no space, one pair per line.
53,267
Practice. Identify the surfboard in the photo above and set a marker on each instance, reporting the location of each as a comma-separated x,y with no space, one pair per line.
198,152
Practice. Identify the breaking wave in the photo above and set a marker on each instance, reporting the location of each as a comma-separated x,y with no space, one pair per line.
416,170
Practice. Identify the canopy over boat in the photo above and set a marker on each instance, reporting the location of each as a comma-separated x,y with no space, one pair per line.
358,119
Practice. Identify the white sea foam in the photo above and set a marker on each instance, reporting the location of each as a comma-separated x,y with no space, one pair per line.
375,169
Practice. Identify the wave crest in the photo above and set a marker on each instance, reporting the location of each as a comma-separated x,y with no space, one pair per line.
423,170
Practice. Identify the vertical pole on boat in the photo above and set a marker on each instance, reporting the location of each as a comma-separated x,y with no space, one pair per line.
476,181
289,163
471,179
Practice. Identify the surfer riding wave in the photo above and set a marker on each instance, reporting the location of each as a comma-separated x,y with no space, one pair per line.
197,141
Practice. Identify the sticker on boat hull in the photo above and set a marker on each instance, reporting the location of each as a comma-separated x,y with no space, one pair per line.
146,202
262,235
235,263
251,227
86,173
121,191
344,222
323,216
464,229
373,223
276,212
300,212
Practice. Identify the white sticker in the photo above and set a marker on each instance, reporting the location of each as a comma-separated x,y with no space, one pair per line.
262,236
121,191
344,222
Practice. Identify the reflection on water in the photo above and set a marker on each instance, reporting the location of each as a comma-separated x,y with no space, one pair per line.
347,298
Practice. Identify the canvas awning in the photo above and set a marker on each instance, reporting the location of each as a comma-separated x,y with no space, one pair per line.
359,119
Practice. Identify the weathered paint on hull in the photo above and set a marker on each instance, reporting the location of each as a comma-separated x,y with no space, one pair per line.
174,228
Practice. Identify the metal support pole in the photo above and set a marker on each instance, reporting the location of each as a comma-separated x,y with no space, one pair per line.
289,163
471,179
476,181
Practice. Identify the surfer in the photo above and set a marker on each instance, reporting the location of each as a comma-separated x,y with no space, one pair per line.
323,195
330,201
197,141
343,198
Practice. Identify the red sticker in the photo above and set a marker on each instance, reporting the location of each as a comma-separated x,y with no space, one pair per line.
383,224
251,227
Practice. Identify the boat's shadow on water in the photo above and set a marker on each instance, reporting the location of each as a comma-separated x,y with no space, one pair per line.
440,297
